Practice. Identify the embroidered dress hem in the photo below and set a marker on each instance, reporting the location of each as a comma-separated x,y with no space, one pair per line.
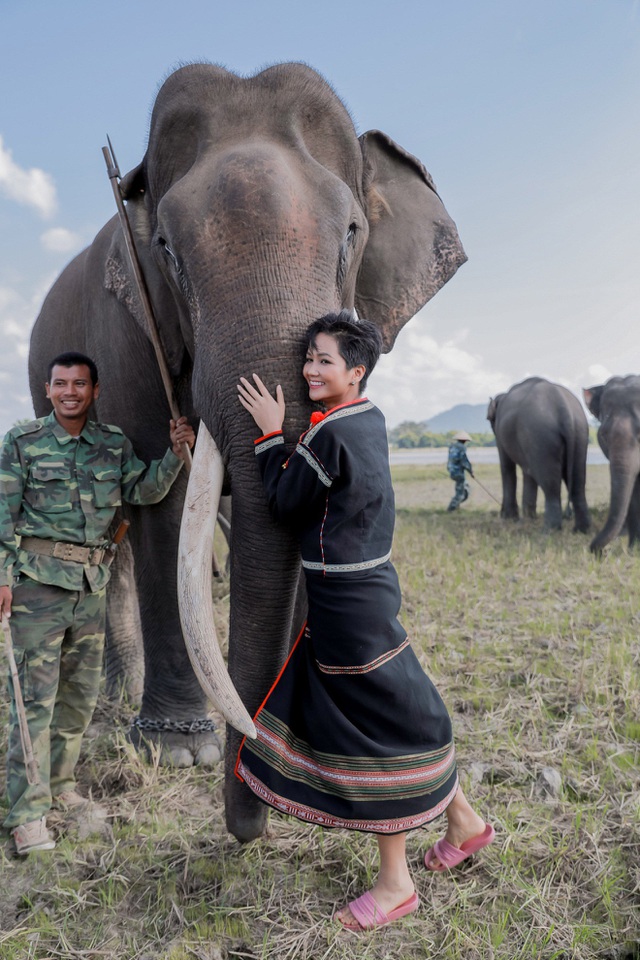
323,819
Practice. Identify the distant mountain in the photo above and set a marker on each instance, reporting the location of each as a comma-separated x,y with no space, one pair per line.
464,416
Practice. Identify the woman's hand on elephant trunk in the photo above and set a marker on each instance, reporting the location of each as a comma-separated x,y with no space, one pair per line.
267,412
181,432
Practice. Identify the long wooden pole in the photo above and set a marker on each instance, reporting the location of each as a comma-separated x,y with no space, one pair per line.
113,172
31,765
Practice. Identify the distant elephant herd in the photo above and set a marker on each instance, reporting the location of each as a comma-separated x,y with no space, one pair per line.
542,428
256,209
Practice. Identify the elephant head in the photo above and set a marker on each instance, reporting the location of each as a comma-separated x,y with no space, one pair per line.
616,404
257,208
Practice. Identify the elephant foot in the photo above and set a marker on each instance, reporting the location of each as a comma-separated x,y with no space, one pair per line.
178,748
246,825
245,815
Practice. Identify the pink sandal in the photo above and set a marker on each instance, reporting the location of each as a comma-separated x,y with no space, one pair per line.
367,913
450,856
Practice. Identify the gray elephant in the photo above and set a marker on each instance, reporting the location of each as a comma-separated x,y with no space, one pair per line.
616,404
256,208
542,428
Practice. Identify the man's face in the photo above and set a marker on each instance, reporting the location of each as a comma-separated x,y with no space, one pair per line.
71,393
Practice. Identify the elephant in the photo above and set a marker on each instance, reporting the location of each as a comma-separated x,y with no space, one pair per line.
255,209
542,428
616,404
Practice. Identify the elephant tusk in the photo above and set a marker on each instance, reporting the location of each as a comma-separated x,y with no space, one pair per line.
195,582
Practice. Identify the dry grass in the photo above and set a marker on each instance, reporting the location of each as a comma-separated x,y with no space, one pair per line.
533,644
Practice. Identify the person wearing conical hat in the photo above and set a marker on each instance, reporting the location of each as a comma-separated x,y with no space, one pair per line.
457,463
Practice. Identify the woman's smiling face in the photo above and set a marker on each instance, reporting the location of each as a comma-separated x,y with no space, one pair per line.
329,380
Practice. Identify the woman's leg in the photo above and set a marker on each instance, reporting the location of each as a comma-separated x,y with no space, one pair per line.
463,823
394,884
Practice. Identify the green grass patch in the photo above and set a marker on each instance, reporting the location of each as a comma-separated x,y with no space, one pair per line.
533,643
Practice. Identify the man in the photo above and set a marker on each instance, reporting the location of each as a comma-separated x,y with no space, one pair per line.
63,477
457,463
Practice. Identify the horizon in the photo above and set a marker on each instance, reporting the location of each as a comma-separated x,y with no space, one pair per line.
524,115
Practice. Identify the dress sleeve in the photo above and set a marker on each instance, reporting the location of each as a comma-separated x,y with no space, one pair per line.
12,481
142,484
298,486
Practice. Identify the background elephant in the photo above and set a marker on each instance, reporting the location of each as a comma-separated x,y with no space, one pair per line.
541,427
616,404
256,208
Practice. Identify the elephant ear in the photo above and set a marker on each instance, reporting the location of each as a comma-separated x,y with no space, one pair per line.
592,397
413,246
175,335
492,409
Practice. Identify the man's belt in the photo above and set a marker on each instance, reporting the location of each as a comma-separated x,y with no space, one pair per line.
64,551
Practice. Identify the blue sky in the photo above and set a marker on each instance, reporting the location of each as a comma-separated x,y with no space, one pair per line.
525,114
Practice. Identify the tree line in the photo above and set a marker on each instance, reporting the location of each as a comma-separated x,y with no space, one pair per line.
409,435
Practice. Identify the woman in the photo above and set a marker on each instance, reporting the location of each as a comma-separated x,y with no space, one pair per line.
353,733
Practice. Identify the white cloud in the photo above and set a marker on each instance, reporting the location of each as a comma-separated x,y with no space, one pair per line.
421,377
60,240
32,187
17,314
598,374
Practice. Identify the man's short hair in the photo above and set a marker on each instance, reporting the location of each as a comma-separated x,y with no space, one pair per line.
73,359
359,341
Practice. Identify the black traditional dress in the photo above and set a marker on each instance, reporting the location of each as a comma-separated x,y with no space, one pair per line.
353,733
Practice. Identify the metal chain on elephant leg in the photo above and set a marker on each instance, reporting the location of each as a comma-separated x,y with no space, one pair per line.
201,725
181,742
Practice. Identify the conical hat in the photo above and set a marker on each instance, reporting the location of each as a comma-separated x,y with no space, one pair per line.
462,435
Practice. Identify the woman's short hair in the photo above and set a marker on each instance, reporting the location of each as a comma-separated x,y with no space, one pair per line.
359,341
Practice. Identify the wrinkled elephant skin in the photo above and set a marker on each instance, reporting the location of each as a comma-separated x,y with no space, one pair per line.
616,404
541,427
256,208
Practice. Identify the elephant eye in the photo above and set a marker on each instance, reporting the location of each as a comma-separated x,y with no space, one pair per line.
168,252
346,247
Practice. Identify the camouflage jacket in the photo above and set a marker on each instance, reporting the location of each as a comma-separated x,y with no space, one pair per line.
58,487
458,461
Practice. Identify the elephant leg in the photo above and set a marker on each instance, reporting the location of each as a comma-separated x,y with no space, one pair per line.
633,516
269,636
509,509
174,709
124,658
553,506
529,496
582,521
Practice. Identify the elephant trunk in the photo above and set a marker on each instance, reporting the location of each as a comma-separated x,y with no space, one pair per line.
195,587
624,466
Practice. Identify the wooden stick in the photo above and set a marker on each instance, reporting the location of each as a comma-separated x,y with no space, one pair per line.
31,766
113,172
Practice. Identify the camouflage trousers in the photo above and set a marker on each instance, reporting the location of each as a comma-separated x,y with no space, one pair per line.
58,640
461,493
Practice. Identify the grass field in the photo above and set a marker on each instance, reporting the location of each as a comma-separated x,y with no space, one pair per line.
533,644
